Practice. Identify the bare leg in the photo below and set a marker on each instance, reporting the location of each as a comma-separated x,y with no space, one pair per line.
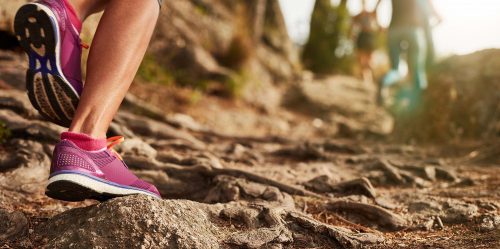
119,45
368,74
364,58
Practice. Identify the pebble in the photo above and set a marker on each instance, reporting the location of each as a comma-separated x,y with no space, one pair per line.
427,207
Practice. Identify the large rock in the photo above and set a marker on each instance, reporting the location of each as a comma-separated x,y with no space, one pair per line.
133,222
204,41
218,23
344,101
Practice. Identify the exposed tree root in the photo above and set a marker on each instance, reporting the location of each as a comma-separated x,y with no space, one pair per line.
344,237
275,224
380,216
230,186
210,172
361,186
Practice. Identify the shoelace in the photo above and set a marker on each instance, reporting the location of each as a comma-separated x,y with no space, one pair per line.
112,142
84,45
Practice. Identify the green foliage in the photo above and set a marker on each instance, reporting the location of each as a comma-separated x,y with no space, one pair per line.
236,83
5,133
201,7
151,71
329,48
195,97
230,86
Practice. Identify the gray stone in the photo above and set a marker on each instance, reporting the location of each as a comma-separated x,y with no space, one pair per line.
13,76
149,127
430,173
34,129
30,167
489,223
445,174
459,212
427,225
132,222
391,172
186,121
137,147
260,237
116,129
424,207
344,101
17,101
489,206
12,225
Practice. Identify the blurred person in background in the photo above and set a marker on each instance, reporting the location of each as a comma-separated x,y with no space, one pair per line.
406,35
366,28
432,18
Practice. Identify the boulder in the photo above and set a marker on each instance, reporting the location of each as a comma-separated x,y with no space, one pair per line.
343,101
133,222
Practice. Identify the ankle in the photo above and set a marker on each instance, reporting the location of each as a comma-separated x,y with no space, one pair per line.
88,127
84,141
91,132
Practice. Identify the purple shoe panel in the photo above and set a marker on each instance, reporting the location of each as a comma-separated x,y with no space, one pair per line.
70,45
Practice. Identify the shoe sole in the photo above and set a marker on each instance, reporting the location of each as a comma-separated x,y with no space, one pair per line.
48,89
76,187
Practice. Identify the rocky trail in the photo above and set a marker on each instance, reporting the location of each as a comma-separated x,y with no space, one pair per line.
262,191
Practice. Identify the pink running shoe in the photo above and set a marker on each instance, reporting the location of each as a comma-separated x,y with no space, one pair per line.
76,174
53,45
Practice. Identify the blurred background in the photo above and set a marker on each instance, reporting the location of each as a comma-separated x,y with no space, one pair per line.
459,33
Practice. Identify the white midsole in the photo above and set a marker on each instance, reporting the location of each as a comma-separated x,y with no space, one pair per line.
95,185
58,45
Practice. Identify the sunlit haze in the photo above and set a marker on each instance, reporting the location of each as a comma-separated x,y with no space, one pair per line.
468,25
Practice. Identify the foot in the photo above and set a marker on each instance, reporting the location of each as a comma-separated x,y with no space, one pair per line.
78,174
54,78
390,79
